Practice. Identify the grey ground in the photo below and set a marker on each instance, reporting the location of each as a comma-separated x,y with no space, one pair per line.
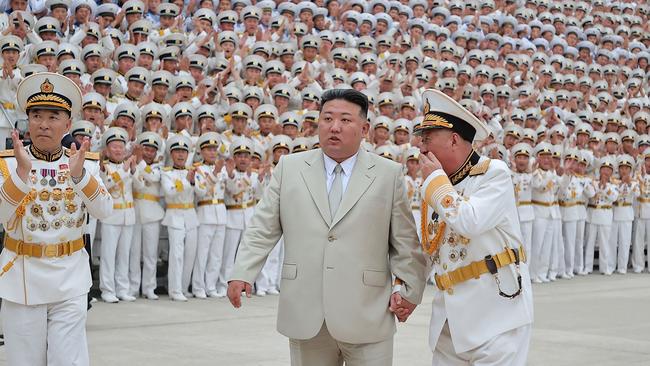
594,320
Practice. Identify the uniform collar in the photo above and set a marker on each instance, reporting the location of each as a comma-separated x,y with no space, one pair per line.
178,168
463,171
45,156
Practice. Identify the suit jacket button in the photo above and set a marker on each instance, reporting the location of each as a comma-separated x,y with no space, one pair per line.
331,238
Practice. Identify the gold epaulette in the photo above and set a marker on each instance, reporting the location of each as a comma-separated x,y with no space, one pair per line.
255,133
197,164
480,168
615,181
167,168
7,153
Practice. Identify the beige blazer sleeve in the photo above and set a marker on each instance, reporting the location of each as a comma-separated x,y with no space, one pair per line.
407,261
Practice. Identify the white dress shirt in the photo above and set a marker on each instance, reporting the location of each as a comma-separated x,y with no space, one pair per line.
347,165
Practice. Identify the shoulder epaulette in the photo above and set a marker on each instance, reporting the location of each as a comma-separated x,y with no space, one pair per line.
92,156
197,164
480,168
167,168
7,153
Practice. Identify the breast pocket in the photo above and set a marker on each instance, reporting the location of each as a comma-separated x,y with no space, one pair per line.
289,271
375,278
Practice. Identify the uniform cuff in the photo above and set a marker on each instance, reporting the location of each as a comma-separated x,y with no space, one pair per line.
14,189
88,186
435,187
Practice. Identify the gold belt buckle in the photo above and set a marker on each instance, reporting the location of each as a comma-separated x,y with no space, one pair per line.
50,250
244,205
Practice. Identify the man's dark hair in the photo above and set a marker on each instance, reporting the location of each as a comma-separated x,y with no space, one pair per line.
349,95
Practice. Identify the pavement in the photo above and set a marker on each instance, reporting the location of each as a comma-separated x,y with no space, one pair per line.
591,320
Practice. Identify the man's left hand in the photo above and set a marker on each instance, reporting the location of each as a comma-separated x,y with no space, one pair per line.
400,307
428,164
78,157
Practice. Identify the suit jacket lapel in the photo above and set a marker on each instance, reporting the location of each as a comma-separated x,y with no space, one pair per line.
315,180
359,182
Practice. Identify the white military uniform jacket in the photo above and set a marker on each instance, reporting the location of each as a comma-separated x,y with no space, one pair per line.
481,219
210,191
643,211
522,183
573,195
544,196
240,195
178,191
623,207
50,213
599,210
146,192
118,179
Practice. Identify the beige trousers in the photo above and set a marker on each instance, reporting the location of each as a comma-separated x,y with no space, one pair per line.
324,350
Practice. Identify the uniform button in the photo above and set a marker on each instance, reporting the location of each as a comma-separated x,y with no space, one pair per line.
444,266
331,238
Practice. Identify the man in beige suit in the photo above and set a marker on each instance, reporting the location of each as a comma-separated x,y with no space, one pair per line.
347,227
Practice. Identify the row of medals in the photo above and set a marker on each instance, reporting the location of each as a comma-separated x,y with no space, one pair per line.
452,239
56,195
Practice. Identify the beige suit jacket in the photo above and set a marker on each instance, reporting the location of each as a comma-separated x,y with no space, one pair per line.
336,270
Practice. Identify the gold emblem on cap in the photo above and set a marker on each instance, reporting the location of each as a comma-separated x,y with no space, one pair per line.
47,87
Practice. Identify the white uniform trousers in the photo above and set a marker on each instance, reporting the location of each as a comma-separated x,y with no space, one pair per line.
543,235
268,277
182,253
144,250
621,239
49,334
231,244
209,256
597,235
506,349
92,231
418,218
641,239
579,263
114,264
556,258
570,245
527,236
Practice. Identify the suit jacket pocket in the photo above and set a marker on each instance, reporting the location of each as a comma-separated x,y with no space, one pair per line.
375,278
289,271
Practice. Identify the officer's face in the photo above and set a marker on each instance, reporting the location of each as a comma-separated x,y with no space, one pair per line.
149,154
341,129
179,157
46,128
209,154
116,151
242,161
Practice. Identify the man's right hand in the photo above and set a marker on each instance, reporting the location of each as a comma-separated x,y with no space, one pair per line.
235,288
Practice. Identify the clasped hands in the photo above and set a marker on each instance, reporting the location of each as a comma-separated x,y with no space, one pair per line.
401,307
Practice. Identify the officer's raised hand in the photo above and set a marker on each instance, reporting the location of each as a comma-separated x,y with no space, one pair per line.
77,158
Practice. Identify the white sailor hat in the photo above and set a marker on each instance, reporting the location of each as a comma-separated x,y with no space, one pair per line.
169,10
402,124
522,148
386,151
178,142
138,74
208,139
47,24
93,100
53,4
241,110
182,109
45,48
184,81
290,119
383,122
228,16
300,144
141,26
543,148
72,66
114,134
206,14
126,50
49,91
412,153
606,162
133,7
241,145
127,109
11,42
251,11
280,142
441,111
150,139
31,69
82,127
625,160
266,110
